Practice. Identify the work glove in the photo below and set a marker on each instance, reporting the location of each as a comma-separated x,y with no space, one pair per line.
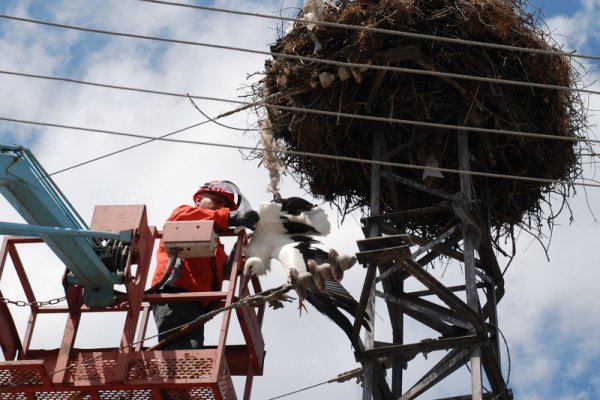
243,218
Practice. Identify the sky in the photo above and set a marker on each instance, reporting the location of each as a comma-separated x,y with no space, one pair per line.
546,315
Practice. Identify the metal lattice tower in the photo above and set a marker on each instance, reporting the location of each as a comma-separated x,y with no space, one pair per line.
468,329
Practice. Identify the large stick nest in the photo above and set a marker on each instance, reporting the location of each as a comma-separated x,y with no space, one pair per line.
505,203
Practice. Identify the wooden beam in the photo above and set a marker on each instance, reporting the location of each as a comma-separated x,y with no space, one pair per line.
408,351
444,206
383,255
416,185
384,242
434,312
492,369
471,239
442,248
438,240
395,285
453,301
457,288
447,365
486,396
369,374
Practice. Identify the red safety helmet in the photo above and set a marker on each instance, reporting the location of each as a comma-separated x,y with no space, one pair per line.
226,190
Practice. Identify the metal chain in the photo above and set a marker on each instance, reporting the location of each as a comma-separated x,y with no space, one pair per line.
22,303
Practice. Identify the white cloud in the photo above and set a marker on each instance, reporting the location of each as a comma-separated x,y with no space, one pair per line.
578,31
553,301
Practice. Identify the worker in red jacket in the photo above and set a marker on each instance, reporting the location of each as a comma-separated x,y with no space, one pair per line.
222,202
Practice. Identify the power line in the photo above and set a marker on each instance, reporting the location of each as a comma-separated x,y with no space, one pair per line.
411,35
434,124
107,85
310,59
336,114
343,377
299,390
292,152
149,139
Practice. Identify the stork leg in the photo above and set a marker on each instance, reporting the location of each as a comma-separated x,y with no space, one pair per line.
346,261
317,278
296,281
301,306
336,271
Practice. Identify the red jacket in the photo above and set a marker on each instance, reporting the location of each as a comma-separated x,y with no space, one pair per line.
197,274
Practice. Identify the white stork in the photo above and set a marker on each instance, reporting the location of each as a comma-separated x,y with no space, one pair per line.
286,232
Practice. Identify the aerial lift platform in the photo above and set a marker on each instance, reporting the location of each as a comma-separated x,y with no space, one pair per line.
116,248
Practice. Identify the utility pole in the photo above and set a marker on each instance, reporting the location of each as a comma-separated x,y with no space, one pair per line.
467,330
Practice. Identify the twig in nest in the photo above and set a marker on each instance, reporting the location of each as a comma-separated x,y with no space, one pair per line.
214,120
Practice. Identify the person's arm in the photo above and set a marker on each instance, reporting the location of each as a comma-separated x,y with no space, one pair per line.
190,213
223,217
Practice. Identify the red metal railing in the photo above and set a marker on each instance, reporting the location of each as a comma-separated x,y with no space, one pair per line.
129,370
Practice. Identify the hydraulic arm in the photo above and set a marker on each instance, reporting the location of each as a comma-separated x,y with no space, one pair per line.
49,215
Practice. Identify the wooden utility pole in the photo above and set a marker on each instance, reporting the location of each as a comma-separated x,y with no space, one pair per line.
467,330
469,259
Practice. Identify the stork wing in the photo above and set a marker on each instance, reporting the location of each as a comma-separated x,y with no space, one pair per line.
330,301
295,227
308,251
295,205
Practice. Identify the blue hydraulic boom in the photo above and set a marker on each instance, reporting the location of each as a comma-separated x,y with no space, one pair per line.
50,216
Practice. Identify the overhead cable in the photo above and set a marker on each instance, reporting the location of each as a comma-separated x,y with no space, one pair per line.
291,152
360,28
265,103
105,85
433,124
310,59
343,377
149,139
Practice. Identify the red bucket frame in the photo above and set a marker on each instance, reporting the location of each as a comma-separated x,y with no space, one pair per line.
128,371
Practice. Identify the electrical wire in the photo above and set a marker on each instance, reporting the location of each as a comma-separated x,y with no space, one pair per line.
336,114
341,378
299,390
497,396
107,85
507,355
310,59
292,152
433,124
149,139
359,28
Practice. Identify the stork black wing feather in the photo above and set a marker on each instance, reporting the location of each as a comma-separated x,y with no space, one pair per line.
295,205
304,240
309,252
293,227
326,307
331,300
343,299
